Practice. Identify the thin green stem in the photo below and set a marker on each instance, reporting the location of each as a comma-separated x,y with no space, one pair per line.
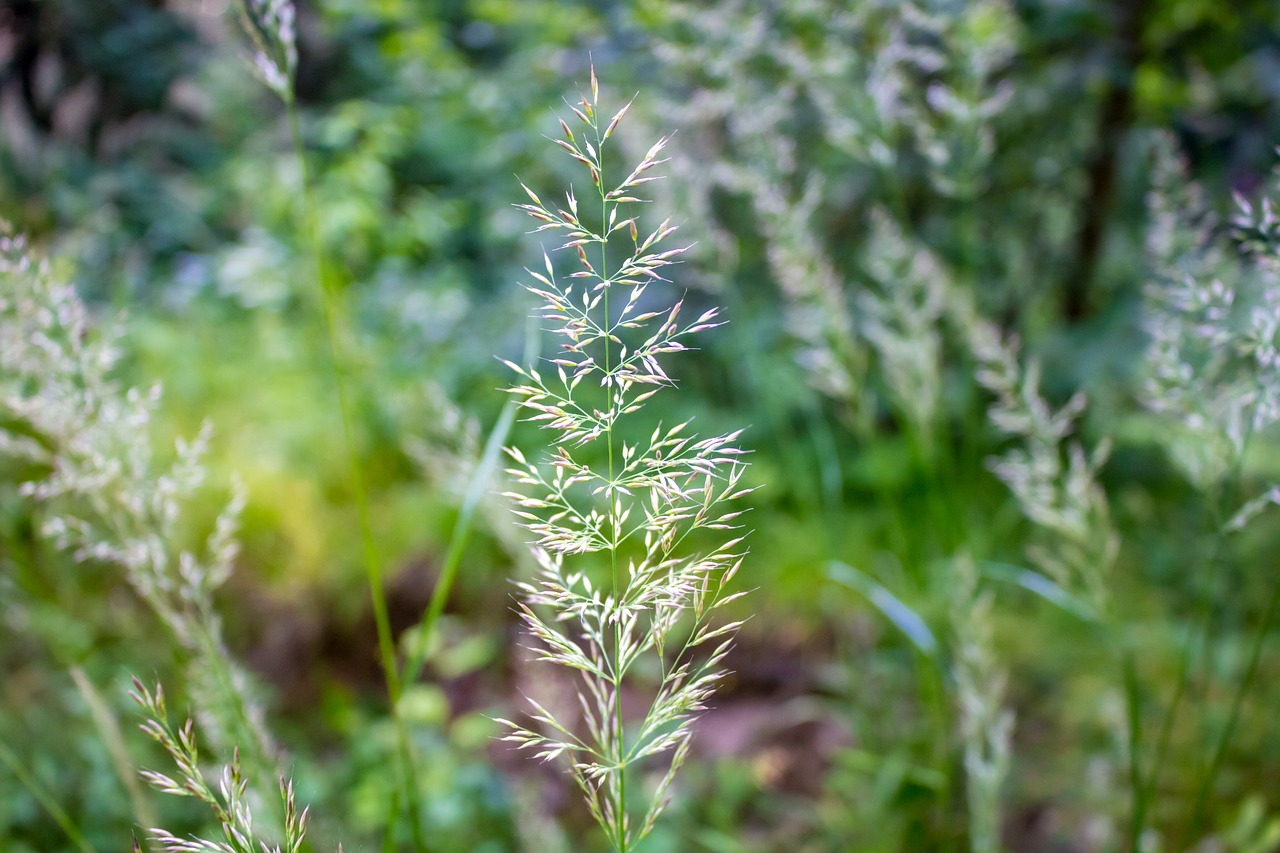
372,558
1133,719
262,764
1198,635
1201,632
458,540
1210,775
45,799
620,807
113,738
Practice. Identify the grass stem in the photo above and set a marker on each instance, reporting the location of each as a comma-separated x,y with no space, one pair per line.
42,796
372,558
1133,721
1209,777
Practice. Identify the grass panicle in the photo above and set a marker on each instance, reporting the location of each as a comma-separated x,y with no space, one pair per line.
108,500
1049,472
659,600
271,26
1212,373
229,799
985,721
1213,322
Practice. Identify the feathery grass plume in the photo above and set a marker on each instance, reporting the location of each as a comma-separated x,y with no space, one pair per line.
1213,323
1055,482
955,132
929,88
926,79
110,500
986,723
1213,318
229,802
816,311
848,334
1053,478
900,321
272,28
654,609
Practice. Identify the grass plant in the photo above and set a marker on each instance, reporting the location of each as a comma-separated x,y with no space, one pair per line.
644,506
109,499
271,27
920,136
229,801
1213,374
879,217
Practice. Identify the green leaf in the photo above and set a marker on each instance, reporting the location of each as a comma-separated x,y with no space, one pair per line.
894,609
1038,584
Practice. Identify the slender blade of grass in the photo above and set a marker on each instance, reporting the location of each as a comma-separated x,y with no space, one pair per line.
893,608
42,796
481,478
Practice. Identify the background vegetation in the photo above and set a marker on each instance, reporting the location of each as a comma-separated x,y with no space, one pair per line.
1003,342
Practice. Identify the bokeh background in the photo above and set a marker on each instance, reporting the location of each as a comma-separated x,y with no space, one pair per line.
840,168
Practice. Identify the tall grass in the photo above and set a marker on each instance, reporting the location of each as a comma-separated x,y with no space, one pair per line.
229,801
271,25
109,500
912,333
652,610
1213,374
912,338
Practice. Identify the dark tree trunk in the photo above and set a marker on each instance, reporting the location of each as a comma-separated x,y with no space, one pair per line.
1115,118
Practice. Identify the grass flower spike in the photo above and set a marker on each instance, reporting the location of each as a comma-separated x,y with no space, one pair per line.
229,801
110,498
635,507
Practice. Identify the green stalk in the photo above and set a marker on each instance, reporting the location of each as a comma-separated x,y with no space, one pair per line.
248,739
621,805
1201,633
458,538
45,799
1210,776
970,228
1133,718
372,559
109,730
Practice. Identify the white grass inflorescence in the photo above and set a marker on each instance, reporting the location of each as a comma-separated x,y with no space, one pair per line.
654,609
229,801
985,721
1213,322
1049,472
110,502
272,27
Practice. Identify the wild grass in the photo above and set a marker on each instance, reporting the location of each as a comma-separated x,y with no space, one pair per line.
89,442
109,501
229,802
117,505
271,27
913,334
1213,374
637,506
919,336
